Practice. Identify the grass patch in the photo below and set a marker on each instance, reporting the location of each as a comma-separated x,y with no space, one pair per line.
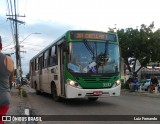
125,86
24,94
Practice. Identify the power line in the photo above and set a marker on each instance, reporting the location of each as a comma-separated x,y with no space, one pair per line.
33,49
10,11
32,45
25,7
23,44
13,17
8,46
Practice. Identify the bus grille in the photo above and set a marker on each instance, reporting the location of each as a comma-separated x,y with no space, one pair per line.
94,80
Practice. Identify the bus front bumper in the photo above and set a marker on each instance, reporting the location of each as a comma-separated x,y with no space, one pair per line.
73,92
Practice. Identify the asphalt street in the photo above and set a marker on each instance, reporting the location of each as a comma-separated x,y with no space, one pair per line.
139,103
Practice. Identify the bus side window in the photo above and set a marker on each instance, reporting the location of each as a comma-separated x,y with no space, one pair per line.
49,57
35,64
45,58
33,68
53,56
43,61
37,68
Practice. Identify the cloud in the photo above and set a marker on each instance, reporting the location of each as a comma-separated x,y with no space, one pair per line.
5,29
49,32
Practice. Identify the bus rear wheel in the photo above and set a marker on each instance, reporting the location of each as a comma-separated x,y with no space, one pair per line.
54,93
92,98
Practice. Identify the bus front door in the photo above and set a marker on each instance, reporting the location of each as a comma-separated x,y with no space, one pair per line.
40,71
62,58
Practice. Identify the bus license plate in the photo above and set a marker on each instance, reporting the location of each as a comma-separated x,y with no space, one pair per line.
97,93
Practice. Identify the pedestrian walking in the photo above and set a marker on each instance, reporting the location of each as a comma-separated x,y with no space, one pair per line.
6,77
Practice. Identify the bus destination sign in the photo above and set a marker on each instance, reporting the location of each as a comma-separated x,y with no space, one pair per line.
92,35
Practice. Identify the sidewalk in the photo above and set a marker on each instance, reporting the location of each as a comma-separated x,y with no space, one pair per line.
18,105
140,93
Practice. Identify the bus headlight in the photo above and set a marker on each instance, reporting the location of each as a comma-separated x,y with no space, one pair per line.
118,82
73,83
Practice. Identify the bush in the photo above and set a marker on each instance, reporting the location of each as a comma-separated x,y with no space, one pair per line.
24,94
125,86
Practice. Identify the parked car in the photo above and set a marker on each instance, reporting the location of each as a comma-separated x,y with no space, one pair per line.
24,81
146,84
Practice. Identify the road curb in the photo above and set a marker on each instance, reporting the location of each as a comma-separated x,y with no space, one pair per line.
140,93
28,110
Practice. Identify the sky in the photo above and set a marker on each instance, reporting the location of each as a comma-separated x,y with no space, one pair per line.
52,18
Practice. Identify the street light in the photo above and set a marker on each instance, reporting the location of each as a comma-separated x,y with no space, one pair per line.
28,36
18,66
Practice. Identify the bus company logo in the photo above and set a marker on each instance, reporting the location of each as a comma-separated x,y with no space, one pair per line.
6,118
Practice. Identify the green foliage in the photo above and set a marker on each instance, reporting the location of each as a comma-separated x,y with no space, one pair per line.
24,94
28,76
142,44
125,86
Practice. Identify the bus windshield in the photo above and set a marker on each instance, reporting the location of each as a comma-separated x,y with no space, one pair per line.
93,57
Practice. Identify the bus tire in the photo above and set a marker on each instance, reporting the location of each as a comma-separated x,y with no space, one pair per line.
54,93
92,99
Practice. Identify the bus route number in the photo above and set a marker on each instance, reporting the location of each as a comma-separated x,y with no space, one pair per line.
106,84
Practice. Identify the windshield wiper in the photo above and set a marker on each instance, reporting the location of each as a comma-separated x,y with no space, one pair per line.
88,46
92,52
103,56
106,50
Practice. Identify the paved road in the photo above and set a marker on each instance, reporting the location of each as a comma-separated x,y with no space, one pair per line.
123,105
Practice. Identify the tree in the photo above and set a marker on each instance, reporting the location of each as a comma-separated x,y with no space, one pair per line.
140,44
156,53
28,76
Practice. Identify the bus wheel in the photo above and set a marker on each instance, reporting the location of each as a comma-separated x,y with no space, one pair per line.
92,98
54,93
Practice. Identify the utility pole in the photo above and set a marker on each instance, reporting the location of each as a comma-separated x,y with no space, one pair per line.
17,46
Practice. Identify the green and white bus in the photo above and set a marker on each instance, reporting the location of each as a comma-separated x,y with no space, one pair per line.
80,64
